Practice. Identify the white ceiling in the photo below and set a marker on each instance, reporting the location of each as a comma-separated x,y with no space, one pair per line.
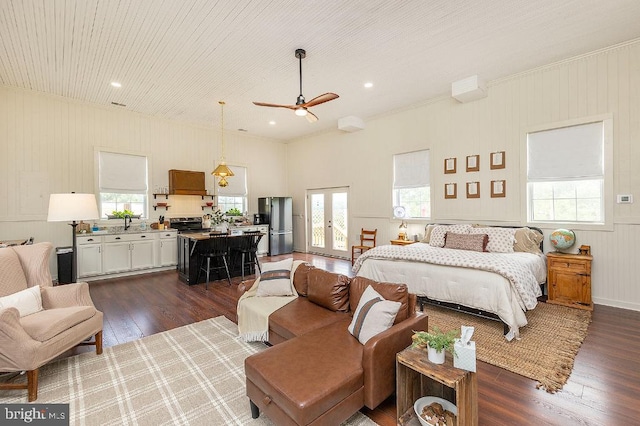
177,58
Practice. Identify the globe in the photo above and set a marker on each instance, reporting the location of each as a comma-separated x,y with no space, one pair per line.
562,239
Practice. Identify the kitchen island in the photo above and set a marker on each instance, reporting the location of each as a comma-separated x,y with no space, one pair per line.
191,245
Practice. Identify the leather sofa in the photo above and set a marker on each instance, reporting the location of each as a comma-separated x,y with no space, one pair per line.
316,372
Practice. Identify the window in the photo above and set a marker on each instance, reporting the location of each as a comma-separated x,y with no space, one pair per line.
122,181
566,177
234,195
411,188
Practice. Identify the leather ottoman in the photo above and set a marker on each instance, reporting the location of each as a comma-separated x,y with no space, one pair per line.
322,382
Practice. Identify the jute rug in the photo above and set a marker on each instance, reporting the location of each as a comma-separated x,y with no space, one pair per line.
192,375
547,347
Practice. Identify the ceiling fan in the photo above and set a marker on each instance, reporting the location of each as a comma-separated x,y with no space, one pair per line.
301,106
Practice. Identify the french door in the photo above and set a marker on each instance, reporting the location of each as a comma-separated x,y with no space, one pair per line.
328,210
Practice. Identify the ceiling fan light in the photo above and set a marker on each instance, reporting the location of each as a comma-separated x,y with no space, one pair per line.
301,112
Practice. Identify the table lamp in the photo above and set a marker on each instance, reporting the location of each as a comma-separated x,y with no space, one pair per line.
72,207
402,235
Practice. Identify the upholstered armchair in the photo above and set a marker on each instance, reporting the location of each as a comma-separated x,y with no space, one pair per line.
38,321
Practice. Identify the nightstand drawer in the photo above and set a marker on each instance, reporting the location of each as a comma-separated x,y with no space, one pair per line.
572,265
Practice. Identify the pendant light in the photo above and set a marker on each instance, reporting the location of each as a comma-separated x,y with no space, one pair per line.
222,171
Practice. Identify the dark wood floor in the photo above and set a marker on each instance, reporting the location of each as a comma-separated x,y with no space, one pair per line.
604,387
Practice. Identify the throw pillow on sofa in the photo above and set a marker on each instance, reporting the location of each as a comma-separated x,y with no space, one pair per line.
275,279
27,302
373,315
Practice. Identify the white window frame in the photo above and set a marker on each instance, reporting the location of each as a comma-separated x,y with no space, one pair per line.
99,190
236,190
405,160
607,190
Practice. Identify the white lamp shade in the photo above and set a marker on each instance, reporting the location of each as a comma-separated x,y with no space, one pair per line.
69,207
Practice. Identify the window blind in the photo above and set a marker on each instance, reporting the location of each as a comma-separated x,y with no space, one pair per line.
237,183
122,173
566,153
411,169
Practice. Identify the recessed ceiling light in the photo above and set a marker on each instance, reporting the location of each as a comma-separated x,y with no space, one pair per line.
273,123
368,85
116,84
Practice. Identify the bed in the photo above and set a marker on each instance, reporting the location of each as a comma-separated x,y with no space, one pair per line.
500,277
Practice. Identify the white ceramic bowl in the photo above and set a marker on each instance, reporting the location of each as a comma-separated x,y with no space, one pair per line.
426,400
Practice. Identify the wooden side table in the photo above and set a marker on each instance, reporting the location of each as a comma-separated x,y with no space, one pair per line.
401,242
417,377
569,280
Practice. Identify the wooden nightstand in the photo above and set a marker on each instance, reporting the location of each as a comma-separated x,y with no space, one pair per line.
569,280
401,242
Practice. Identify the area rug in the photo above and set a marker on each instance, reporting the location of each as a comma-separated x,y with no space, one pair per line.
192,375
547,347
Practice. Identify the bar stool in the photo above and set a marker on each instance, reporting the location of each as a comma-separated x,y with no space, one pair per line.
248,249
216,249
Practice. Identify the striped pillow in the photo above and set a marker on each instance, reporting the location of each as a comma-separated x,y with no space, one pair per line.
373,315
275,279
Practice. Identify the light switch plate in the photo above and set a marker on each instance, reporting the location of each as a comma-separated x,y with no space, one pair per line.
625,198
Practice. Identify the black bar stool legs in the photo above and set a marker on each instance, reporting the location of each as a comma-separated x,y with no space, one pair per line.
216,250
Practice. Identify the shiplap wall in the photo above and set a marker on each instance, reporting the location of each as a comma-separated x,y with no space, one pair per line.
48,144
606,82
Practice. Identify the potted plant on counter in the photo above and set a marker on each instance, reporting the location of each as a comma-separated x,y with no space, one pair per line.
436,342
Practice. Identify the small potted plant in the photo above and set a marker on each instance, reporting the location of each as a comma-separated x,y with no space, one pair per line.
436,342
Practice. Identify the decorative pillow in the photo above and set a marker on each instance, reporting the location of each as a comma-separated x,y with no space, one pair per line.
527,240
500,239
27,301
474,242
373,315
275,279
427,233
437,235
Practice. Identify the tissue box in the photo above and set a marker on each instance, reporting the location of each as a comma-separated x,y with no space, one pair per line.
465,357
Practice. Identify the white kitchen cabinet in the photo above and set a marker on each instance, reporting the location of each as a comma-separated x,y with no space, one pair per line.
263,245
142,254
168,249
126,252
116,254
89,256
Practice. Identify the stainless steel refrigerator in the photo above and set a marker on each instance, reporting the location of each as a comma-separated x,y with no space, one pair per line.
278,213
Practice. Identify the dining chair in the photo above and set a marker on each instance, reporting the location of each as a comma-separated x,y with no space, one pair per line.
367,241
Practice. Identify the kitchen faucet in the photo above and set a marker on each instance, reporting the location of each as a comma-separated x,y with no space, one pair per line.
127,226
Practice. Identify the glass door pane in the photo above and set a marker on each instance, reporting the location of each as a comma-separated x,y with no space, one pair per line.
317,221
339,215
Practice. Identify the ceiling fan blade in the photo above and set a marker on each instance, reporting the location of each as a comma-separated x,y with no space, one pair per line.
311,117
275,105
321,99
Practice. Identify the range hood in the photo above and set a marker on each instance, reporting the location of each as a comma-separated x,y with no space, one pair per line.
186,182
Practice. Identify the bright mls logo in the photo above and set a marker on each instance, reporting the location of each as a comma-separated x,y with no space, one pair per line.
34,414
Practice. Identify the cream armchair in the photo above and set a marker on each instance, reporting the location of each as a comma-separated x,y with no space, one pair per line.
38,321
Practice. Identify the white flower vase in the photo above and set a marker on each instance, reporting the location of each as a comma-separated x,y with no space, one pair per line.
435,356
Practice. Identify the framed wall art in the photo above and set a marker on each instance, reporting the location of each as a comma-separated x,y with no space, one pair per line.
450,191
473,189
473,163
450,165
497,160
498,188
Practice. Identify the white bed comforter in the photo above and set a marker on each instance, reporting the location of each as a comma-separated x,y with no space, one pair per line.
506,284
